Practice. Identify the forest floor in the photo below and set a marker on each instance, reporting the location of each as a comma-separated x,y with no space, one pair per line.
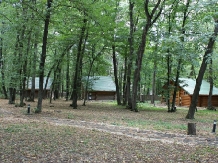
104,132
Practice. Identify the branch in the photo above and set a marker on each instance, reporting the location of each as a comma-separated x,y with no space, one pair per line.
6,17
155,8
146,10
160,11
186,13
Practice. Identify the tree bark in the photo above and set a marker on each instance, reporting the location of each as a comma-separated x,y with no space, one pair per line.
208,52
171,18
191,129
168,80
115,75
68,77
176,84
2,67
76,80
154,82
12,95
209,102
151,19
43,56
13,79
130,56
32,93
24,73
124,83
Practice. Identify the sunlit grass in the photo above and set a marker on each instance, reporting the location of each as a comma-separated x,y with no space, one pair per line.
158,118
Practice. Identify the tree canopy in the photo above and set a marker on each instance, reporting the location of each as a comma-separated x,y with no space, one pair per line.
142,44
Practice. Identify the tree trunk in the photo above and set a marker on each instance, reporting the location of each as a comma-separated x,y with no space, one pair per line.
154,82
176,83
138,64
154,73
57,65
14,81
12,95
124,83
151,18
130,56
168,80
185,16
76,80
24,73
115,75
57,83
209,102
68,77
191,129
2,67
43,56
209,51
32,93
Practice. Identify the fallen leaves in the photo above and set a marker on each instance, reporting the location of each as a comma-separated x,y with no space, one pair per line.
30,138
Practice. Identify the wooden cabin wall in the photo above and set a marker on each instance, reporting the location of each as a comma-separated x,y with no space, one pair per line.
185,99
182,99
215,100
102,95
203,100
28,92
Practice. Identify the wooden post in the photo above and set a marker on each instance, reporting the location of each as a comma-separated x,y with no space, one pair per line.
191,128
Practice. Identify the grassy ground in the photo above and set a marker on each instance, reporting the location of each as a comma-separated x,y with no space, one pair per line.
28,138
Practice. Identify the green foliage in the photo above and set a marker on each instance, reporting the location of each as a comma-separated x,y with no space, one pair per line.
107,24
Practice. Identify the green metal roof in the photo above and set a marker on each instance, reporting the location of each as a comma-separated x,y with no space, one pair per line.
101,83
29,84
189,85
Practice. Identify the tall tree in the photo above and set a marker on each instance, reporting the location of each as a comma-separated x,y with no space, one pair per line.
116,75
78,66
151,17
2,66
180,59
208,52
209,102
43,56
92,58
129,57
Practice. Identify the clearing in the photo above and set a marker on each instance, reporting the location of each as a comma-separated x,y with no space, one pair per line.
104,132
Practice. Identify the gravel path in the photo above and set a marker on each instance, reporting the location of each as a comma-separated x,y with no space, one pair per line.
145,135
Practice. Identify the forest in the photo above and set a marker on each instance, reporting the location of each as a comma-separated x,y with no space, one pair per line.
143,44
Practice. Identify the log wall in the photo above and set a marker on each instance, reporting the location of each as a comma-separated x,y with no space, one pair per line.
102,95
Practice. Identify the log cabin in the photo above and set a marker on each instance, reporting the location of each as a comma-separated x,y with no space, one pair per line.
47,89
186,89
100,88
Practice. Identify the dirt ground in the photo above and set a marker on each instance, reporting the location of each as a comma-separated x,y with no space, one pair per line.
100,132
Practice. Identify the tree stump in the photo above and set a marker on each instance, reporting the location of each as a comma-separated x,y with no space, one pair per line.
191,128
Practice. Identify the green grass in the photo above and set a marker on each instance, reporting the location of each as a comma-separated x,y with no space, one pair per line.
15,128
157,125
158,118
70,116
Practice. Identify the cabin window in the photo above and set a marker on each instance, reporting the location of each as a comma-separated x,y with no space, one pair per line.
185,93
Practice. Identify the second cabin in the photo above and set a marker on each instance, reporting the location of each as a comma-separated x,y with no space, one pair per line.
186,89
